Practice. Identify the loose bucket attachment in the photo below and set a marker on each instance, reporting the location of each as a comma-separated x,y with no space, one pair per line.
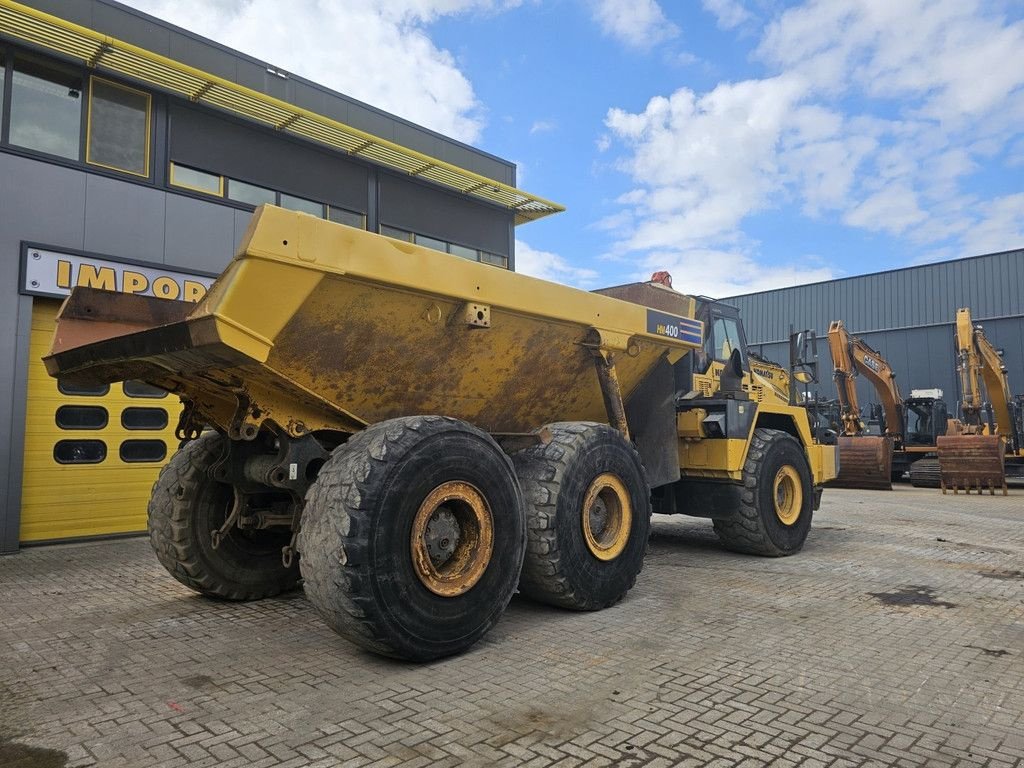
973,462
865,462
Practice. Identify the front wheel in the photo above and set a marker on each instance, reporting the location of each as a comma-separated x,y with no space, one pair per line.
412,537
776,502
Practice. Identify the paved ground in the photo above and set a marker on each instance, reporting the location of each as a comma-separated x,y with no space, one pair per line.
895,638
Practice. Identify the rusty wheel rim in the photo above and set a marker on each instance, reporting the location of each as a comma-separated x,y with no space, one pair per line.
607,515
452,539
788,495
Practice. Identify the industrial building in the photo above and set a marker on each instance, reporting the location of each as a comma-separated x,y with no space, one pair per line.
132,154
907,315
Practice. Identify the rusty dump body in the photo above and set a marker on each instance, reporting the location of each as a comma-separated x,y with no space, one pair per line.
316,326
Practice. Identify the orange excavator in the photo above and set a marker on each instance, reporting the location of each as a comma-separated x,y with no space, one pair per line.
903,436
991,436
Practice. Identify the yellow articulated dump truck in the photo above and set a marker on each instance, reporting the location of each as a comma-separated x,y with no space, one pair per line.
414,435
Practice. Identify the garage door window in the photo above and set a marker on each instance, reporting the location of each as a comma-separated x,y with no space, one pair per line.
83,390
81,417
142,389
144,418
79,451
135,451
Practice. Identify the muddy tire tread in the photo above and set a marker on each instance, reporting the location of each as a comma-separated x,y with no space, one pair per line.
743,532
542,470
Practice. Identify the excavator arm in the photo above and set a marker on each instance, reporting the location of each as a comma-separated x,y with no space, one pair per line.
864,461
851,356
980,363
977,458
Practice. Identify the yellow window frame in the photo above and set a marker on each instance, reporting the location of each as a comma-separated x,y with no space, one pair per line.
149,126
183,185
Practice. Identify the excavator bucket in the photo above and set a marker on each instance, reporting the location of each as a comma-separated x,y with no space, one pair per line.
970,462
865,462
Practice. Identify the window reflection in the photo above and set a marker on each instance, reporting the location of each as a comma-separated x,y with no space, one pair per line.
46,110
118,127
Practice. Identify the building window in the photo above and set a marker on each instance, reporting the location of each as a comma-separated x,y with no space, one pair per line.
302,204
118,127
136,451
81,417
196,180
79,451
250,193
46,110
144,418
134,388
343,216
397,234
430,242
495,259
466,253
3,76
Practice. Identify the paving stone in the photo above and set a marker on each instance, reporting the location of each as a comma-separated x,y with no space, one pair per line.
712,659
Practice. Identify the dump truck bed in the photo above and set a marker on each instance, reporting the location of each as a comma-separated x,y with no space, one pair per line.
315,325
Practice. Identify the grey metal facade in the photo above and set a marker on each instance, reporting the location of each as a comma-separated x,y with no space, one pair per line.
906,314
69,204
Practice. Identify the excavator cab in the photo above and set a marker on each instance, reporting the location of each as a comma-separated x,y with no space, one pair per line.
926,419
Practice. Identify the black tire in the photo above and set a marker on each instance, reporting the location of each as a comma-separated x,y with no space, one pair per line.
357,537
186,505
755,527
560,567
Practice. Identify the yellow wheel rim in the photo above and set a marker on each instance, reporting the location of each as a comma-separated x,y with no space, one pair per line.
607,516
788,495
452,539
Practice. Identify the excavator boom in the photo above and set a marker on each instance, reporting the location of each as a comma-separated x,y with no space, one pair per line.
865,461
976,459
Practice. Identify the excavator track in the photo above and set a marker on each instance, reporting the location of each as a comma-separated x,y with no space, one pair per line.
925,473
972,462
865,462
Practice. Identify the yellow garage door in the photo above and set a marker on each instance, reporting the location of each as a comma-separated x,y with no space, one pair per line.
91,454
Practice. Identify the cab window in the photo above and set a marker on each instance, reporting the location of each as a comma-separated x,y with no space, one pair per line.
724,338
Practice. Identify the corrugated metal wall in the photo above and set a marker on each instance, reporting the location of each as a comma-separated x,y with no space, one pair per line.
906,314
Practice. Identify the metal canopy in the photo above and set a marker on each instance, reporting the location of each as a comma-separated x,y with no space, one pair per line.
97,51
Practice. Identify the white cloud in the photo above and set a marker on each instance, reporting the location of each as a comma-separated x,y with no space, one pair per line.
637,23
877,115
951,57
551,266
892,210
730,13
377,52
720,273
543,126
1000,228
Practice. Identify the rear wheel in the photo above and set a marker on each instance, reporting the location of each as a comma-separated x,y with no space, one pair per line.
186,506
777,500
588,516
412,537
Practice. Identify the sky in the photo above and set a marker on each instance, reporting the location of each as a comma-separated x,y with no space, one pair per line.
742,145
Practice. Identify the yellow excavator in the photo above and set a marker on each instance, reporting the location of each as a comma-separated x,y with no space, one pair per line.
904,435
991,436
